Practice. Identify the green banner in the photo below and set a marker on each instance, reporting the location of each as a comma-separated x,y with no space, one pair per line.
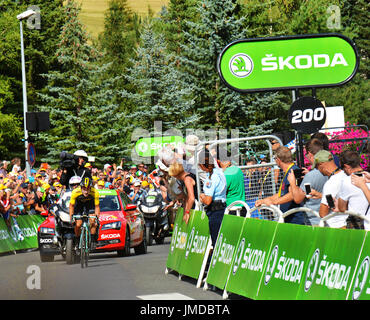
278,63
285,267
188,243
178,242
266,260
224,251
360,287
331,264
22,233
251,256
149,147
197,241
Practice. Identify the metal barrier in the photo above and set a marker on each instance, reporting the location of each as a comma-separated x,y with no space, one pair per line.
232,207
252,193
331,215
275,215
300,209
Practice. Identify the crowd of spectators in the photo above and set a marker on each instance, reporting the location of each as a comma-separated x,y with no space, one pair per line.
221,182
285,185
22,194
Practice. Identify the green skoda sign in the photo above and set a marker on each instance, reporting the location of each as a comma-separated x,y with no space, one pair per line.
306,61
149,146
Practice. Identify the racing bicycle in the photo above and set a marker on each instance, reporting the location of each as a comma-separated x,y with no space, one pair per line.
85,237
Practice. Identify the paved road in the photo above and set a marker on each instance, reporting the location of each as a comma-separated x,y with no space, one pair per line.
107,277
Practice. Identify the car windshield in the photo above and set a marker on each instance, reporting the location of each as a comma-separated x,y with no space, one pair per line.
109,203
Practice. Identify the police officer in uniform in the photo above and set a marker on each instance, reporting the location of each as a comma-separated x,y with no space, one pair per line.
214,193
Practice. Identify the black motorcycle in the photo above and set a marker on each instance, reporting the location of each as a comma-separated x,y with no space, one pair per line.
53,235
63,226
156,218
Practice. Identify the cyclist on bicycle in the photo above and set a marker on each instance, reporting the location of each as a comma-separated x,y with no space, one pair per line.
85,197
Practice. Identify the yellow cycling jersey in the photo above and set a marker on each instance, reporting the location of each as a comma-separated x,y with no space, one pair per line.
78,197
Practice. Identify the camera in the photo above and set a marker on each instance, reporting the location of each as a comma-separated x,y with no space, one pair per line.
68,160
298,173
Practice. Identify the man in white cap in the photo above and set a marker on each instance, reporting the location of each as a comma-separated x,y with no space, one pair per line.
135,193
191,143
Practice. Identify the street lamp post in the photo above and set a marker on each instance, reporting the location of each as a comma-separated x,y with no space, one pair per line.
20,17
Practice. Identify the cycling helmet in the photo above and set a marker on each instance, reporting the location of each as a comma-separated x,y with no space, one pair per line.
75,180
81,153
86,182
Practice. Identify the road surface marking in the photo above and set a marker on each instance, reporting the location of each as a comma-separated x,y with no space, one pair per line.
165,296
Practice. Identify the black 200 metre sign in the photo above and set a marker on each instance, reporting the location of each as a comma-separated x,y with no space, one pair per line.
307,115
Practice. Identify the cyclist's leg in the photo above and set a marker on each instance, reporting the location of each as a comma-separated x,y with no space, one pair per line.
93,226
78,227
93,223
78,223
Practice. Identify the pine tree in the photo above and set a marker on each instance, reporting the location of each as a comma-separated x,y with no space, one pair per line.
174,17
221,23
120,36
160,93
315,17
81,103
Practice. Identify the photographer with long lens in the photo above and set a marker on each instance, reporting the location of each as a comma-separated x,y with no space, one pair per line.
73,165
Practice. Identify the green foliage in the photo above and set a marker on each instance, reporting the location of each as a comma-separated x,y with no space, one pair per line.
120,36
40,47
219,24
161,94
156,69
81,103
10,126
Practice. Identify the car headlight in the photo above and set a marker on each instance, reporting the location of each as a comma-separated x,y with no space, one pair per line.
113,225
47,230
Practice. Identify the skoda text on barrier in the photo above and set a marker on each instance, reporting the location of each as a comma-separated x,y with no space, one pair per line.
190,246
22,234
230,246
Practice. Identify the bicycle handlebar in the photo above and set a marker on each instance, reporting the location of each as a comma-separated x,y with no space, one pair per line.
79,216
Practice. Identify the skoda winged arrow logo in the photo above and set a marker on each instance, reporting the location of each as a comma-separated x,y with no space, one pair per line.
271,264
361,279
239,254
312,269
241,65
190,243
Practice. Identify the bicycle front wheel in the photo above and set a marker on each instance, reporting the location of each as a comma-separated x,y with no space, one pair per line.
82,247
87,247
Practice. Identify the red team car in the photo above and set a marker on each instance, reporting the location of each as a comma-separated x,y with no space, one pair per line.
122,227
